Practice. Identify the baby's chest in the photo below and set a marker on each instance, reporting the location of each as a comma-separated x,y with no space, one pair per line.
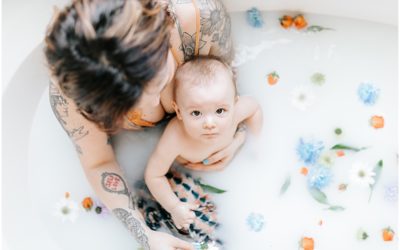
198,153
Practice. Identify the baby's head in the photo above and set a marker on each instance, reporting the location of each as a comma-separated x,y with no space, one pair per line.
204,97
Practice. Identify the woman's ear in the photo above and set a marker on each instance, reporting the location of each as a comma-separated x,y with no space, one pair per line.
177,111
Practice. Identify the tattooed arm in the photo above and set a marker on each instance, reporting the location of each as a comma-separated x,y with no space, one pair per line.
104,174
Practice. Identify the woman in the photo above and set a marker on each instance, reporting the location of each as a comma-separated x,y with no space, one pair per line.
111,64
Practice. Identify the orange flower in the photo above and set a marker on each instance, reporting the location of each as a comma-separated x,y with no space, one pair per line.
307,243
320,222
304,171
87,203
340,153
377,121
300,22
286,21
387,234
67,195
273,78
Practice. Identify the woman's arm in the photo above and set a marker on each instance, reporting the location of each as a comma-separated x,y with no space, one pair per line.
104,174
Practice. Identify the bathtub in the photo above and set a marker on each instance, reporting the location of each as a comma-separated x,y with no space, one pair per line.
40,164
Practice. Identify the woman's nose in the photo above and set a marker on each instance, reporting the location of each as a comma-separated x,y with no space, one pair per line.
209,123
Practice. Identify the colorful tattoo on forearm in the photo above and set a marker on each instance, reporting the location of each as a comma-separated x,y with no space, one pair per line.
114,183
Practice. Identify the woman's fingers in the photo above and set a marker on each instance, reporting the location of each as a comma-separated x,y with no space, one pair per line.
216,157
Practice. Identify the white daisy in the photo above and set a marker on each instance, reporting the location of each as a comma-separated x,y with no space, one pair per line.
66,210
327,159
302,97
361,174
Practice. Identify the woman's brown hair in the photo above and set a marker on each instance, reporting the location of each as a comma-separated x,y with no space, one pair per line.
104,52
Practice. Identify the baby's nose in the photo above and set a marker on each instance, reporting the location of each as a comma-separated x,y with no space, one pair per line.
209,123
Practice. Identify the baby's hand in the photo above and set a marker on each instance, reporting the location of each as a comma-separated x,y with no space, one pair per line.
182,214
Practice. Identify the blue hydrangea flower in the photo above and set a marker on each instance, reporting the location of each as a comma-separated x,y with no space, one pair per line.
368,93
254,18
255,222
310,151
391,193
319,177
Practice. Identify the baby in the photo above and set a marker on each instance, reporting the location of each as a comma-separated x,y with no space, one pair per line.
208,113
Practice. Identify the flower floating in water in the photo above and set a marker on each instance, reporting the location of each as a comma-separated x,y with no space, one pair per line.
368,93
342,187
299,22
377,121
391,193
387,234
255,222
306,243
87,203
340,153
254,18
304,171
361,234
286,21
362,174
273,78
100,208
309,151
327,159
318,79
319,177
302,97
66,210
338,131
206,246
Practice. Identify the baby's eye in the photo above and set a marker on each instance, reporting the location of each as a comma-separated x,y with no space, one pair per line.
220,111
195,113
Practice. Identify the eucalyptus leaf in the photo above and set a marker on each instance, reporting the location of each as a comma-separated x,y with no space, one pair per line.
345,147
336,208
285,186
318,195
377,170
211,189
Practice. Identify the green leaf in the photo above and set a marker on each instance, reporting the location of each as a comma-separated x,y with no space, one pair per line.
377,170
317,28
336,208
345,147
211,189
318,195
285,186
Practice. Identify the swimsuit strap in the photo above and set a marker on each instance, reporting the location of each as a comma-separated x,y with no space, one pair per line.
196,50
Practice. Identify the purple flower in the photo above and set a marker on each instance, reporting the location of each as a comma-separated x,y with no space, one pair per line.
368,93
310,151
255,222
100,209
319,177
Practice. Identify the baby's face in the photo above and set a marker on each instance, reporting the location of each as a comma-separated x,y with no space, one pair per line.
206,110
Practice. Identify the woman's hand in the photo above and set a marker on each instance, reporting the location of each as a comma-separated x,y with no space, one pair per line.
164,241
219,160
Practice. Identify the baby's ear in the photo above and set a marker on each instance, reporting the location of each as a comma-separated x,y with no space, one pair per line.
178,113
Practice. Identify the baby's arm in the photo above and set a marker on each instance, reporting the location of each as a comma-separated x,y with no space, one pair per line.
160,161
249,111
